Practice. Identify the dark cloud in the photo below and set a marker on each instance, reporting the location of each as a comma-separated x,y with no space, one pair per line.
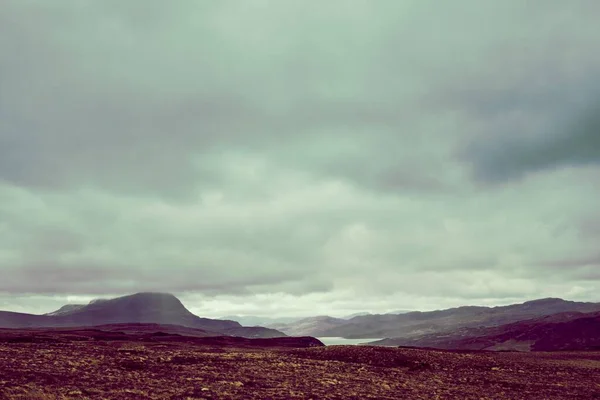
577,143
52,278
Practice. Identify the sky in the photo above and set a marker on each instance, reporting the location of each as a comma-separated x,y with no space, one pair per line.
289,157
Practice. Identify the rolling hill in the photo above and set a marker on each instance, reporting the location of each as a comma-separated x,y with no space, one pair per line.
416,324
563,331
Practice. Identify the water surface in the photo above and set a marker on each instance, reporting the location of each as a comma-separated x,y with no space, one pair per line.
329,341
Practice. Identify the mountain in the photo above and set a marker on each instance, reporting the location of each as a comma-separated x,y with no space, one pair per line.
563,331
153,308
253,320
311,324
66,309
358,314
417,323
399,312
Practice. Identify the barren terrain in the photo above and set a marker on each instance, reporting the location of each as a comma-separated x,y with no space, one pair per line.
63,365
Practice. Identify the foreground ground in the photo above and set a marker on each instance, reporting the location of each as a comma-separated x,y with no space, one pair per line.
110,369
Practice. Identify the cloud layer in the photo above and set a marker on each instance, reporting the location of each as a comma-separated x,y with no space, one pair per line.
390,155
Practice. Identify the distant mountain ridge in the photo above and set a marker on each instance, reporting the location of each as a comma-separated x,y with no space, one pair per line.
311,324
288,322
254,320
293,324
563,331
145,307
417,323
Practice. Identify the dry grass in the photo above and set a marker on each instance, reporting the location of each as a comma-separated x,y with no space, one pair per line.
32,394
180,371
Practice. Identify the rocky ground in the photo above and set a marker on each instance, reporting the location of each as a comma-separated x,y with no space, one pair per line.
73,368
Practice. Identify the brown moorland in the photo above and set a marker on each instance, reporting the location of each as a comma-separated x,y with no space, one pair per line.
88,364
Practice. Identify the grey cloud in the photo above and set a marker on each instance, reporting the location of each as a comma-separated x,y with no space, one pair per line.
575,262
134,107
85,245
247,149
81,279
577,143
589,227
127,101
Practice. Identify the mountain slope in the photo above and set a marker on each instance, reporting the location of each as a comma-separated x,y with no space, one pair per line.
161,308
156,308
252,320
414,324
66,309
9,319
563,331
308,326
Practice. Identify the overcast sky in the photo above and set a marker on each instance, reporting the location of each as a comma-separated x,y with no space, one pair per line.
299,157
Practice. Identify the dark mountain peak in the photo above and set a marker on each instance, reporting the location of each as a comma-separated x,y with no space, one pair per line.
158,302
139,308
153,295
146,297
137,301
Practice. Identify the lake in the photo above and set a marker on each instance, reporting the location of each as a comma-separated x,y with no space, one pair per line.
330,341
